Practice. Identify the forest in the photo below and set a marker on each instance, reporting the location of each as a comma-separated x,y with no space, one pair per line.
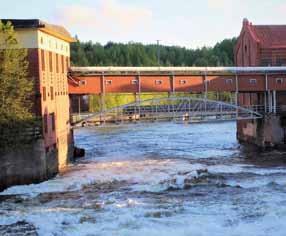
137,54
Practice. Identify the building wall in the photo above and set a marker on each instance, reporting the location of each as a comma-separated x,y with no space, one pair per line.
49,59
248,51
30,164
269,131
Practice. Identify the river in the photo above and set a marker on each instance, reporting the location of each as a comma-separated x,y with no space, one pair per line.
156,179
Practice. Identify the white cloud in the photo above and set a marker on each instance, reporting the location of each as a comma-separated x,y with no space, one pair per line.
217,4
106,16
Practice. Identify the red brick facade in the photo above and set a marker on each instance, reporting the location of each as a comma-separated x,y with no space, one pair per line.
261,45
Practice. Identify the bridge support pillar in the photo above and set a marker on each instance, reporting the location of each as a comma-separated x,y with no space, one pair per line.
137,98
102,106
268,132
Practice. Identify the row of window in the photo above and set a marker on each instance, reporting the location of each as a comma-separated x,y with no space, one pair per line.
62,47
51,93
268,62
60,60
159,82
134,82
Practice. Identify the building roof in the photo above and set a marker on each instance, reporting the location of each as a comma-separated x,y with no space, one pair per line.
268,36
55,30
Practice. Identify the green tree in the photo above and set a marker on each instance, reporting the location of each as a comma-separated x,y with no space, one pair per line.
15,87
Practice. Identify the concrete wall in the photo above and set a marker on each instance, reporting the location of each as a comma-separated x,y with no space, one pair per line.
26,165
266,132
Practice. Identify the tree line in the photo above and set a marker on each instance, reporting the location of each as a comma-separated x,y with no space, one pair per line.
138,54
16,91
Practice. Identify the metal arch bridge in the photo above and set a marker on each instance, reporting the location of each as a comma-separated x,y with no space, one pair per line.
184,109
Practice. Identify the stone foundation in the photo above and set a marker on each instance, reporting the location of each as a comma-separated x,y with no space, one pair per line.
265,133
31,164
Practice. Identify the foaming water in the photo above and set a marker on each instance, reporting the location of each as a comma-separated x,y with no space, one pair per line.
158,179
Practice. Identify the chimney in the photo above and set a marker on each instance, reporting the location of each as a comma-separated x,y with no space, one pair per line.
245,22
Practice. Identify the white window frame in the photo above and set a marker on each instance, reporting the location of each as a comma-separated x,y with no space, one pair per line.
134,82
108,82
183,81
158,82
82,82
253,81
279,80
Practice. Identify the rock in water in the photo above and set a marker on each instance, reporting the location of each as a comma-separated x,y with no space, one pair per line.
20,228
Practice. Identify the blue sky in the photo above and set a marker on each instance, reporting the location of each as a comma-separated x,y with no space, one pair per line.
189,23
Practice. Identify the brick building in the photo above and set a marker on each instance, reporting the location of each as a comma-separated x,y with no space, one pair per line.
49,58
261,45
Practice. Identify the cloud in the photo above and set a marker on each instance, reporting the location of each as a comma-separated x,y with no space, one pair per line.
107,16
217,4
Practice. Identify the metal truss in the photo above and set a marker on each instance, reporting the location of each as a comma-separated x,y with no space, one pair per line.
179,109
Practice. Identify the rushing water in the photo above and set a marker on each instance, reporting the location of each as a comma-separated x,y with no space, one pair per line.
157,179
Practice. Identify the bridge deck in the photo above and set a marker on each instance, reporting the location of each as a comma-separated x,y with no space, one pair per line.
101,80
174,70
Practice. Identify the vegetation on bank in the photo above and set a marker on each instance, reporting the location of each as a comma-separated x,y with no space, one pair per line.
137,54
16,90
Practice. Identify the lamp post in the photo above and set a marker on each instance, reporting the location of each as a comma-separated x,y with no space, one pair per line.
158,51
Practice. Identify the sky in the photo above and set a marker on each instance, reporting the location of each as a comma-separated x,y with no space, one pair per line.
187,23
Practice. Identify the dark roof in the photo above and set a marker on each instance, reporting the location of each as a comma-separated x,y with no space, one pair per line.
55,30
268,36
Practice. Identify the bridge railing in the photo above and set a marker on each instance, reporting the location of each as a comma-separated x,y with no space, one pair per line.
267,109
175,108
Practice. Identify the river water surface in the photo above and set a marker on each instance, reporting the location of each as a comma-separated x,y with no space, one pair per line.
157,179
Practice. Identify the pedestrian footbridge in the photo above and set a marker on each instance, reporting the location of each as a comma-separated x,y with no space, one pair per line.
179,109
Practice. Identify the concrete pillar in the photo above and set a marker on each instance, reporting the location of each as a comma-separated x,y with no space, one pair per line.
102,96
265,132
274,102
79,109
270,100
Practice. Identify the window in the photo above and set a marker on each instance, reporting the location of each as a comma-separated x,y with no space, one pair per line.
266,62
57,63
67,62
252,81
51,61
43,59
134,81
280,62
245,48
42,40
228,81
52,93
183,81
44,94
279,80
63,64
108,82
53,121
46,123
158,82
82,82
